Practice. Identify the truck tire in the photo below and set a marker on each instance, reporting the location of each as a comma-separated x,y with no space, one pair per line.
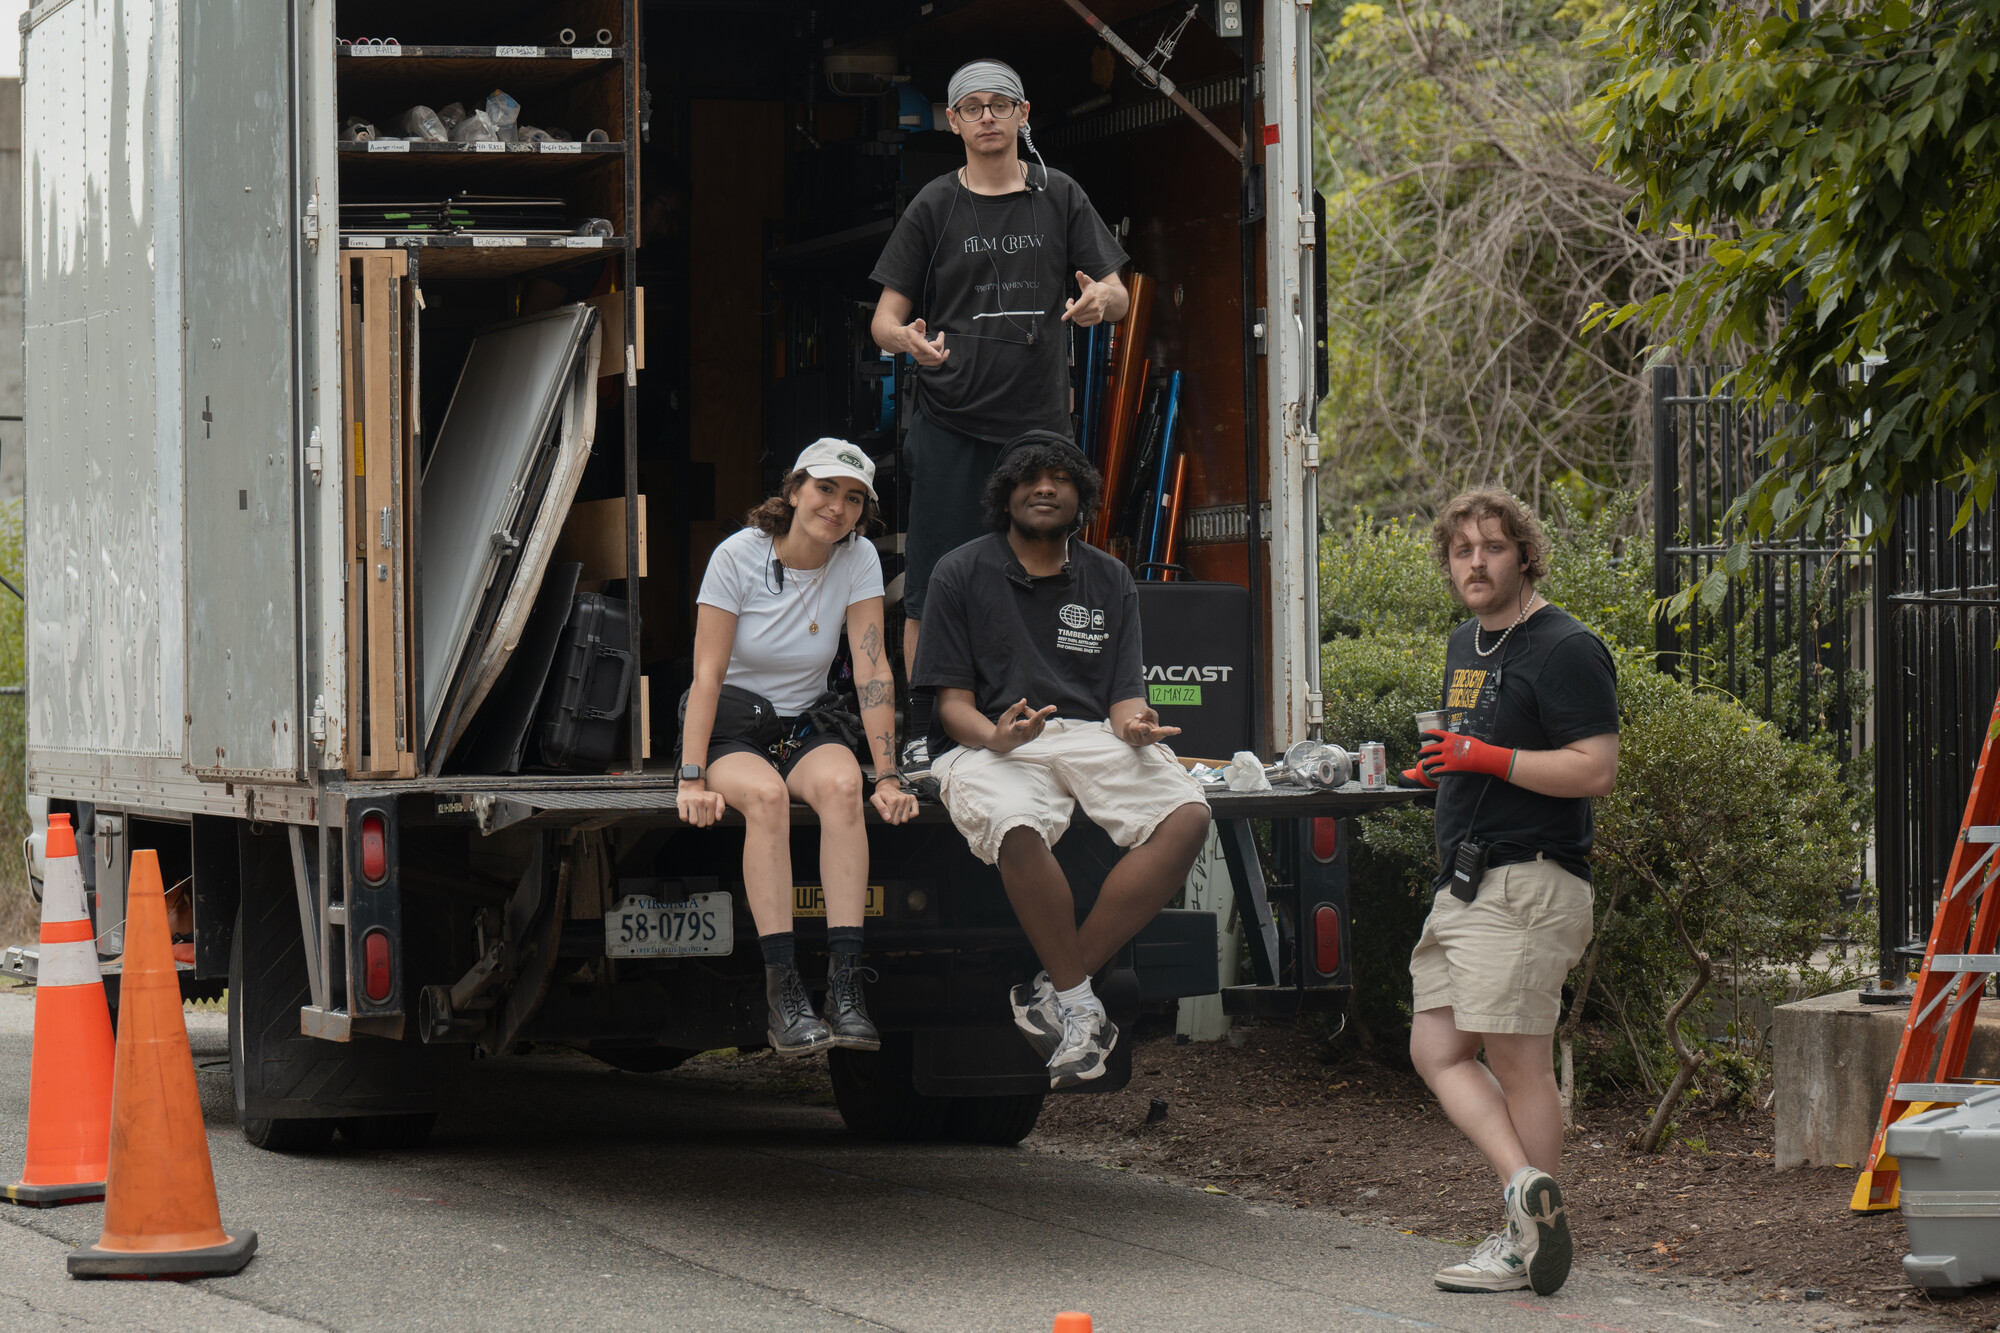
302,1135
292,1090
877,1098
1001,1121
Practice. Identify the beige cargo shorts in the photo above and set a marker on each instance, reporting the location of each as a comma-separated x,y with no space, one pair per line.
1126,789
1498,962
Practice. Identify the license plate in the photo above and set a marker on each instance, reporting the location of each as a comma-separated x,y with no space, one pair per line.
643,927
808,900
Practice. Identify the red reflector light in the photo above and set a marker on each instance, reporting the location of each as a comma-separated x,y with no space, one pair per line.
374,848
375,966
1326,940
1326,838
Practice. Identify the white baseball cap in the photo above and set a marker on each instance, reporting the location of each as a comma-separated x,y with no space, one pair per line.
837,458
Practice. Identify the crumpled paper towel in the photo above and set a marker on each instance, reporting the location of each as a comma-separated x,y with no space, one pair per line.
1246,772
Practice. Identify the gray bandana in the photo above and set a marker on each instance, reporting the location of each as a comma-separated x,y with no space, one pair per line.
985,76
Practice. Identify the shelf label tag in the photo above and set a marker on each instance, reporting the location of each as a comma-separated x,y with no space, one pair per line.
358,50
590,53
363,242
551,146
489,146
518,52
494,242
388,145
584,242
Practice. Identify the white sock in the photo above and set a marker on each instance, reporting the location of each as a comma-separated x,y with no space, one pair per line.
1079,996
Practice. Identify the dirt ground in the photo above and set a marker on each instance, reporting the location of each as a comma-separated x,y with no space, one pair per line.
1272,1119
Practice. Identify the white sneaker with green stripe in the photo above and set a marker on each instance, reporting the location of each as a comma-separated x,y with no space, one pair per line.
1497,1265
1540,1225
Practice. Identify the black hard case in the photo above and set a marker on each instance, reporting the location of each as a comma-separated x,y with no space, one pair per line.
1198,634
588,686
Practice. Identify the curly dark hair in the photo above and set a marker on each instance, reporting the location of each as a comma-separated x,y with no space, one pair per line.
1515,522
1026,458
774,516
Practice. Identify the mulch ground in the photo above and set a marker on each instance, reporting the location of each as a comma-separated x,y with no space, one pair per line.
1275,1120
1281,1120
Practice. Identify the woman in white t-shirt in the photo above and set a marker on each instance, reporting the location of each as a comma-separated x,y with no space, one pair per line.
767,625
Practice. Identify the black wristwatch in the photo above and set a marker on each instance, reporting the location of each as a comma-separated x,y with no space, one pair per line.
691,772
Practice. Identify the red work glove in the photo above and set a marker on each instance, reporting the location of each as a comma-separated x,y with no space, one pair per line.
1463,754
1419,777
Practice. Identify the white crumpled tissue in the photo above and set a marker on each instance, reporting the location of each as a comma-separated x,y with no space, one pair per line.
1246,772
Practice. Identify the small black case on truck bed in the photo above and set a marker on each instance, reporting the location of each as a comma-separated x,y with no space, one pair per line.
588,687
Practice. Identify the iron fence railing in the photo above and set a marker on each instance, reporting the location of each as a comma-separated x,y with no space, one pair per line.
1937,599
1789,639
1898,649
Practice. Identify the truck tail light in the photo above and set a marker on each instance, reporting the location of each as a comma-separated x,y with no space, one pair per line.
1325,838
374,848
1326,938
375,966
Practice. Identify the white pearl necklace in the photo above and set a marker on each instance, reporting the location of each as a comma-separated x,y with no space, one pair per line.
1533,597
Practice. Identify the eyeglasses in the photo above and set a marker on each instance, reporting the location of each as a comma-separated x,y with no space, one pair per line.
1003,108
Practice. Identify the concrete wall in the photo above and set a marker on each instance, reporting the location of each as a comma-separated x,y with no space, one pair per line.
12,449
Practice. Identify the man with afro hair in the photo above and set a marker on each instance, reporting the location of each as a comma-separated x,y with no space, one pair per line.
1032,644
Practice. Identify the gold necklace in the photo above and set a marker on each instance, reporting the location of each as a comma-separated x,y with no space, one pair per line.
812,612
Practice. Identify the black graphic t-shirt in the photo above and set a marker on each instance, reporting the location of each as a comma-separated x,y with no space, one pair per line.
1551,685
1070,639
991,272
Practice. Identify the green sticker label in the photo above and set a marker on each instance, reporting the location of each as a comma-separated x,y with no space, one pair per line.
1173,696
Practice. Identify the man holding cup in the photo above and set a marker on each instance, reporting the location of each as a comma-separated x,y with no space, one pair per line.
1529,735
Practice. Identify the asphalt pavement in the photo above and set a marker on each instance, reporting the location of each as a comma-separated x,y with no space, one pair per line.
558,1194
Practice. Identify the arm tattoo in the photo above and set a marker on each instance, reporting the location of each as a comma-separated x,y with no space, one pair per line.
886,766
875,693
871,643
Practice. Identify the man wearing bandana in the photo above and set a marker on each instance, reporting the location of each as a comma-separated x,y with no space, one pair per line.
1004,258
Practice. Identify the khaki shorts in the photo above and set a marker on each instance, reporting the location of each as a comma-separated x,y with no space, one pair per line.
1126,789
1498,962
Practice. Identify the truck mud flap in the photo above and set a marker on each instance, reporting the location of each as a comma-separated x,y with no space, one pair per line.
279,1073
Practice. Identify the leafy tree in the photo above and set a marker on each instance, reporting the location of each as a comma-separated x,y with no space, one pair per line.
1840,166
17,910
1468,235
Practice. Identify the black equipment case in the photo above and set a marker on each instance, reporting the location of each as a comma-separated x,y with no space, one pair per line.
1196,646
588,685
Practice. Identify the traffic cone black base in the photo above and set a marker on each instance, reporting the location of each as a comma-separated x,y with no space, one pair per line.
51,1196
165,1265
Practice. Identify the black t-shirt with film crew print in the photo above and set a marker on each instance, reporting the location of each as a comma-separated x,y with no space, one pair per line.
991,272
1069,639
1551,684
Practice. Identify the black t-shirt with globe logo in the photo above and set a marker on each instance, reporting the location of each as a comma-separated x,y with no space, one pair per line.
1071,640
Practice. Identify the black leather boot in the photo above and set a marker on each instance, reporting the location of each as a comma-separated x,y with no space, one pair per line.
846,1011
794,1029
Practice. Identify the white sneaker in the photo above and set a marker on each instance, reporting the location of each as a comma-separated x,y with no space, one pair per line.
1038,1015
1495,1266
1540,1227
1088,1037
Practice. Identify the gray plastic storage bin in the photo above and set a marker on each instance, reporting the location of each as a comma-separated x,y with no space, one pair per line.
1950,1192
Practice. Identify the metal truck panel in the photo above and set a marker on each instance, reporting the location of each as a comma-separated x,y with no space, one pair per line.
243,648
100,102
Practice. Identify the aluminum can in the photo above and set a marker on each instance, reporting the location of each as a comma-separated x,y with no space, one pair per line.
1374,766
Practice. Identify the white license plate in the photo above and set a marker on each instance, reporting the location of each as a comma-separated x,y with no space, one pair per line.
643,927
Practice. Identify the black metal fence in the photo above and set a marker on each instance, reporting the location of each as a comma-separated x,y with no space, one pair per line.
1898,649
1937,599
1788,640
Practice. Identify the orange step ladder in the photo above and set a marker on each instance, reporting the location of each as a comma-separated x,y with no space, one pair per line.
1961,955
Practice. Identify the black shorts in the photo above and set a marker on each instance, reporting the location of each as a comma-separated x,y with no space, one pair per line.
947,475
784,756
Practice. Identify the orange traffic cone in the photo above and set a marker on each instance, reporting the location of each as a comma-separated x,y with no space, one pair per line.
1070,1321
69,1083
160,1213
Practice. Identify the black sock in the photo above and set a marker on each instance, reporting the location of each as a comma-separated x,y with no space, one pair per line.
777,948
918,714
844,940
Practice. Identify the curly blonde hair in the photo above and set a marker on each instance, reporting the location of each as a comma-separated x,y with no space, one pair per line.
1515,521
